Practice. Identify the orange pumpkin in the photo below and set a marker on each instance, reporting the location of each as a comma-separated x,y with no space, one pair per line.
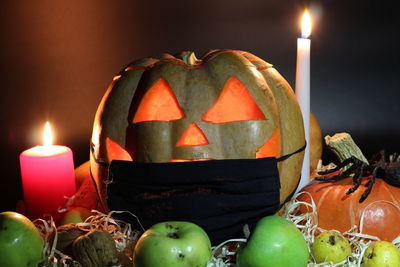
228,104
336,210
315,142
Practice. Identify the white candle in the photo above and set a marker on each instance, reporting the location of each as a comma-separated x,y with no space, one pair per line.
303,90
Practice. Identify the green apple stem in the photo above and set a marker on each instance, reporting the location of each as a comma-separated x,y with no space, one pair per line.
173,235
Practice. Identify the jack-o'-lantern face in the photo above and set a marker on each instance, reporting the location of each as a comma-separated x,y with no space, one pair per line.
227,105
183,120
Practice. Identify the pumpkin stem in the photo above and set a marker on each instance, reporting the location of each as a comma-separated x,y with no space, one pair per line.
189,58
344,147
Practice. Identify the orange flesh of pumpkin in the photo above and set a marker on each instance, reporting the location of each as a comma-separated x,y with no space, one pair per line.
271,148
193,136
116,151
159,104
234,104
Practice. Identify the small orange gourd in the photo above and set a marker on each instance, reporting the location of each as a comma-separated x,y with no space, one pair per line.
379,213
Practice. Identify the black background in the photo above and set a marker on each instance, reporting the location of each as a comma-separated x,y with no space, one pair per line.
57,58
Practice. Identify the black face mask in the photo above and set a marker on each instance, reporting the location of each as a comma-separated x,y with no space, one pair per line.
219,195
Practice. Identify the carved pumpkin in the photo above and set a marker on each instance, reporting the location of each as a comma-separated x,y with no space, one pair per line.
339,211
227,105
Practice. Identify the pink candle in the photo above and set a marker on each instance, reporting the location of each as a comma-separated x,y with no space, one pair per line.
48,177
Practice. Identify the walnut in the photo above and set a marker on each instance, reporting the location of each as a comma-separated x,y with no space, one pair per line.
95,249
66,234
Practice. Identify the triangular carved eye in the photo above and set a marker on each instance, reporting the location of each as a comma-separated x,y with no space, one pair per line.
234,104
159,104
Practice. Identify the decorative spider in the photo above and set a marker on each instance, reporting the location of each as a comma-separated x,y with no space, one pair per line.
378,167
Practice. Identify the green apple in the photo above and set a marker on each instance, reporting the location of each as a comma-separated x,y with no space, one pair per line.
173,244
330,246
275,242
20,241
75,215
381,254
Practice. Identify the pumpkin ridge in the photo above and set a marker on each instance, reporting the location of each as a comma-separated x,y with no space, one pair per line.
353,216
264,67
322,198
213,134
179,127
181,63
390,194
131,68
257,62
215,53
290,125
141,64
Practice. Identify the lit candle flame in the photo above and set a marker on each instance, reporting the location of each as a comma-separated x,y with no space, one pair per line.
306,24
47,135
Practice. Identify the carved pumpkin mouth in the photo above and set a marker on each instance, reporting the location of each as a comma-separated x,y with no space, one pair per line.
187,160
271,148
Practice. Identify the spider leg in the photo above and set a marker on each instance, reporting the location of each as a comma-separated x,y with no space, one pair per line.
356,163
370,184
330,178
342,164
358,180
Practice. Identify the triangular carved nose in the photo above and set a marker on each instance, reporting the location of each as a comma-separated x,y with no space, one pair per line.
193,136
